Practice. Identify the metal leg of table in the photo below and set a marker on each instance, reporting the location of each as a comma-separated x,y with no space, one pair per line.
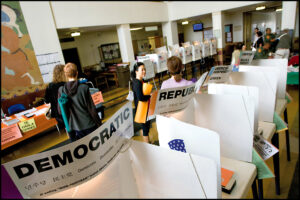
58,129
287,136
260,189
275,142
254,189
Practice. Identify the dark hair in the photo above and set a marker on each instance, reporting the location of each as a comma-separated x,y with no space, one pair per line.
257,28
174,65
259,33
268,29
239,45
135,68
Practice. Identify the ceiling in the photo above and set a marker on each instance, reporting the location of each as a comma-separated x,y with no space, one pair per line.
270,6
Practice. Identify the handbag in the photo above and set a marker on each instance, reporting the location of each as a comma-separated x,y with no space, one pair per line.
130,96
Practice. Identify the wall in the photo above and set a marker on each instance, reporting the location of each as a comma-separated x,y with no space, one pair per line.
185,9
264,20
19,68
95,13
190,35
237,25
87,43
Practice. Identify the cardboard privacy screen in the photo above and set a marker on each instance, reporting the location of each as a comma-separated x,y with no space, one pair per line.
249,94
278,65
225,115
266,90
181,136
146,171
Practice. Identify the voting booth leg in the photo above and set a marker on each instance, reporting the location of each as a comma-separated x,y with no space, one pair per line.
275,142
260,189
58,129
254,189
287,135
154,84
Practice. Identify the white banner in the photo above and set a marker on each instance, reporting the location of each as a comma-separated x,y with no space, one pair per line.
59,169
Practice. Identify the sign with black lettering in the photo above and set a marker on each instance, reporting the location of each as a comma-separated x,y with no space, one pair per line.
246,57
170,100
218,74
56,170
264,148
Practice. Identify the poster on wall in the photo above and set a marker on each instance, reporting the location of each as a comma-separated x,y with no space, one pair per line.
47,62
19,67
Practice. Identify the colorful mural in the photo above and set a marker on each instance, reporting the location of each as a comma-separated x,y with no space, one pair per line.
20,72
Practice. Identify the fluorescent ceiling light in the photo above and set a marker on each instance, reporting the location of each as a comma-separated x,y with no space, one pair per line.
75,34
278,9
151,28
134,29
185,22
261,8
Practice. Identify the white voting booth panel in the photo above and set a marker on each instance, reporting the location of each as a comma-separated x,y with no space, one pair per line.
196,51
205,49
174,50
186,52
182,136
226,115
276,63
213,47
267,95
147,171
149,66
249,94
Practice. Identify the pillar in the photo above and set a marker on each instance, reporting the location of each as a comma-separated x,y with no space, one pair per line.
219,33
288,17
170,31
125,42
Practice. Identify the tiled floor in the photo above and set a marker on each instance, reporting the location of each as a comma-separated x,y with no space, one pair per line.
116,98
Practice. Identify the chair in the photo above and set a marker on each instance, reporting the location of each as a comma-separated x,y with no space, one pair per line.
16,108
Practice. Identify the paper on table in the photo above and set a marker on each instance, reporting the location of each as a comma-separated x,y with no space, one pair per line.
264,148
10,133
27,125
20,114
195,140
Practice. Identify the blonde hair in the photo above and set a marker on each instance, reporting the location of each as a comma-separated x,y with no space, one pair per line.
174,65
58,74
70,70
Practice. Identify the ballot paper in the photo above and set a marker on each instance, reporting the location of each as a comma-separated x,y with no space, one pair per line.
264,148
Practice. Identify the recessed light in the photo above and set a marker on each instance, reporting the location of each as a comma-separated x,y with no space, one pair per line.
261,8
134,29
185,22
278,9
75,34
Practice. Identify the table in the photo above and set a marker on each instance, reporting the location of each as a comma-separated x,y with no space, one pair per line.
292,78
111,75
245,176
42,124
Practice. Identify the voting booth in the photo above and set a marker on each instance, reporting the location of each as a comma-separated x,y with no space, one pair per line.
149,66
205,48
213,46
174,50
106,164
186,52
196,51
159,59
280,65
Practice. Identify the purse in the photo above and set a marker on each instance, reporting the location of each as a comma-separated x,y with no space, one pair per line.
130,96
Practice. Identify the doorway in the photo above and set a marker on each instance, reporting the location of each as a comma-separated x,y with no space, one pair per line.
71,55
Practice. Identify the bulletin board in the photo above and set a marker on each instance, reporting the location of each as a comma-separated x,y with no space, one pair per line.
109,52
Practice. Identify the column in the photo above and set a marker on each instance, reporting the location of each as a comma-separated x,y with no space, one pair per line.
219,33
125,42
288,17
170,31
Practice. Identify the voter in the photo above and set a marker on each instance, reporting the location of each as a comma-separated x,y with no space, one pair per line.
175,68
137,75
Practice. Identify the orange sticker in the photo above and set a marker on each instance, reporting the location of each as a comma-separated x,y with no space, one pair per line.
97,98
268,37
259,50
